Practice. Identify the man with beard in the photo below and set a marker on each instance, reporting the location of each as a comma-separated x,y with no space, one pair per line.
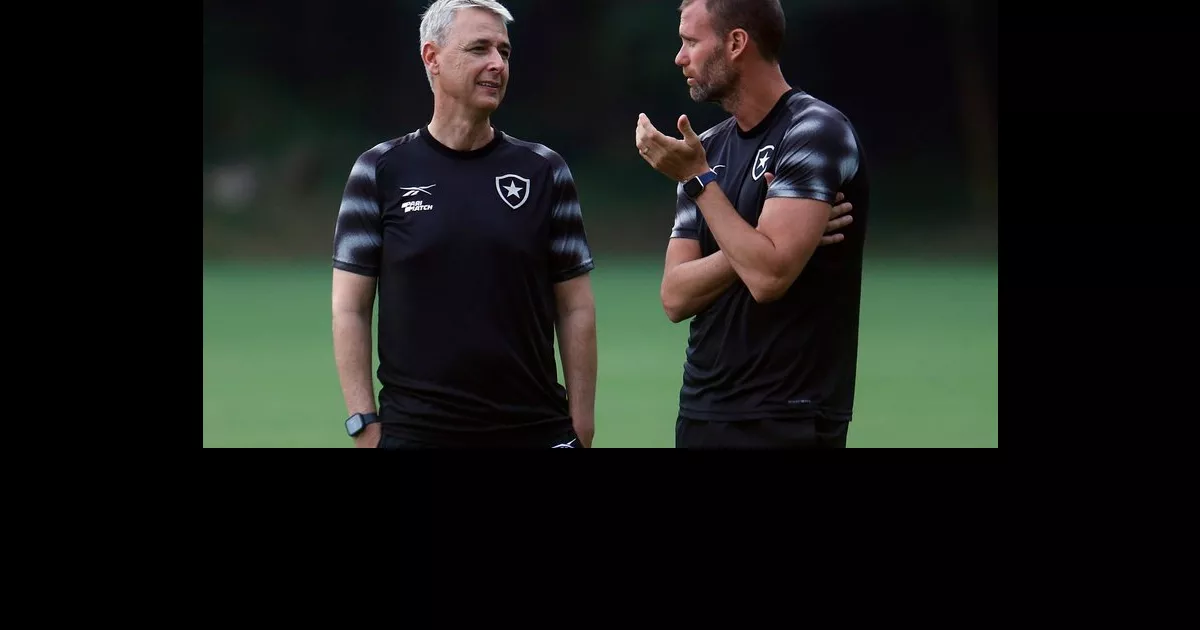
474,242
773,344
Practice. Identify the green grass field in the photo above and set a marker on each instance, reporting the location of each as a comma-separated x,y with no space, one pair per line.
926,377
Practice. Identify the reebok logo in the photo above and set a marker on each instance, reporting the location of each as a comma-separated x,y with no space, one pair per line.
416,190
416,206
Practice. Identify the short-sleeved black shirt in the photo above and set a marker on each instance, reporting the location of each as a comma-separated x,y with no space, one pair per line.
467,247
797,356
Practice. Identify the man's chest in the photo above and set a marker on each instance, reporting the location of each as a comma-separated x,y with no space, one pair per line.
468,212
741,166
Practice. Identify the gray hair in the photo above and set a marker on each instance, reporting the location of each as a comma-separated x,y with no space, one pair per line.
438,17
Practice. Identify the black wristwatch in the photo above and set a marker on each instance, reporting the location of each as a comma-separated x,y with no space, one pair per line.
359,421
694,186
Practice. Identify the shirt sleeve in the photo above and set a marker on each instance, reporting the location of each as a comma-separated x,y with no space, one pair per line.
687,216
570,255
358,233
818,154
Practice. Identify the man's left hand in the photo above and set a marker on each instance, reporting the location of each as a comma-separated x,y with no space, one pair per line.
839,216
678,159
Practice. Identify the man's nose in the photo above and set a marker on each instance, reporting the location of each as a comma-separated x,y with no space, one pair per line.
496,61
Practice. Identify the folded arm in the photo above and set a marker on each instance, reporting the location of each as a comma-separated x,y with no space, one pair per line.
770,257
817,154
690,283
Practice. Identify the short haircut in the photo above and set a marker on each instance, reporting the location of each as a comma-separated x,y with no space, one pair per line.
439,15
763,20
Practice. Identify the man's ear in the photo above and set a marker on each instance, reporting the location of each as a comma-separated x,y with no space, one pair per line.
429,51
736,42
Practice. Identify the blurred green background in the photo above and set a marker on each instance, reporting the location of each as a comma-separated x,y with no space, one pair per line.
294,91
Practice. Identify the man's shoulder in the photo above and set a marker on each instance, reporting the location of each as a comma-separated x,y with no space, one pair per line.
816,126
382,148
810,114
542,151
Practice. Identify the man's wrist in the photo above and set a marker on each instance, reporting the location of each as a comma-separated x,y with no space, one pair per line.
359,422
695,186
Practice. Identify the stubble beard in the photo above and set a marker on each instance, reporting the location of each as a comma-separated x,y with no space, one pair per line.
719,88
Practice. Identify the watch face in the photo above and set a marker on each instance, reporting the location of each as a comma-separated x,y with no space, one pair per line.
354,424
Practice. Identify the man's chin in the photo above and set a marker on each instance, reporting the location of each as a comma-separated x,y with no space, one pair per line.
489,105
708,96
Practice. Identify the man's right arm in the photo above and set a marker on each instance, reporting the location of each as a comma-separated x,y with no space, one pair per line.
357,250
353,302
690,282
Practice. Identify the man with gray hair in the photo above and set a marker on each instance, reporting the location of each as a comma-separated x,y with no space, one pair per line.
474,243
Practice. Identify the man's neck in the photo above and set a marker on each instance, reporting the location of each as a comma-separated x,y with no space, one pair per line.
757,93
460,129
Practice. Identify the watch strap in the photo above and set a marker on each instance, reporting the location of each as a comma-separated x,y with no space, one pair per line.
696,185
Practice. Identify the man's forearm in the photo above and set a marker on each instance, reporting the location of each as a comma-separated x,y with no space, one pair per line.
577,344
690,287
750,252
352,353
